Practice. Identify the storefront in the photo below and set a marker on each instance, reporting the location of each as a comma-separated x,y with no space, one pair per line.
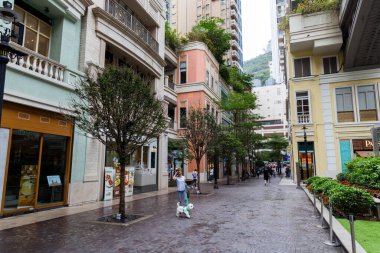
36,145
141,171
306,153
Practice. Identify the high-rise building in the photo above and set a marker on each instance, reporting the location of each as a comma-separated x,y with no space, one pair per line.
278,11
184,14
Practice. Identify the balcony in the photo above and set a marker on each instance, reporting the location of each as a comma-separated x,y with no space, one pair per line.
318,32
234,5
38,65
303,119
233,14
235,45
235,55
121,14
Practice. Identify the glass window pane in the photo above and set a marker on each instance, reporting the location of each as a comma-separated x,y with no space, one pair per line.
43,46
339,103
20,12
298,68
53,168
326,66
348,106
306,67
366,88
32,22
362,101
22,170
371,100
45,29
333,65
30,39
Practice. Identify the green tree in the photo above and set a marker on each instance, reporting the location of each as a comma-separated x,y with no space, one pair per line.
210,32
277,144
199,133
172,40
117,104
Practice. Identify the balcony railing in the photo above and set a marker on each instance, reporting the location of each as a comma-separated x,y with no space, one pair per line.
131,22
169,83
40,64
303,119
172,124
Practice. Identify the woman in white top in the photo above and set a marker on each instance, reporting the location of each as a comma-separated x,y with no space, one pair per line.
181,187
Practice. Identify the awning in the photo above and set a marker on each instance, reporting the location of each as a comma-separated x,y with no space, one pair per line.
364,153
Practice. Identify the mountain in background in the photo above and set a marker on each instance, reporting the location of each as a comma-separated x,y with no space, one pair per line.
258,66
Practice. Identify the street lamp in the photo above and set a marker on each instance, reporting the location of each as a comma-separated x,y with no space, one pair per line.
9,17
305,144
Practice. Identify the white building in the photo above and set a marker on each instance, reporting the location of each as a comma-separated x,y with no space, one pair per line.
278,10
272,107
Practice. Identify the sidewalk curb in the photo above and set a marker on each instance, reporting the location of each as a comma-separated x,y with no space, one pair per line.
340,232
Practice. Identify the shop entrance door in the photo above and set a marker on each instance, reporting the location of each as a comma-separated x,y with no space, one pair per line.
37,170
302,150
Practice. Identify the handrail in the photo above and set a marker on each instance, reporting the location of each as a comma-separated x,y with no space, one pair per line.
131,22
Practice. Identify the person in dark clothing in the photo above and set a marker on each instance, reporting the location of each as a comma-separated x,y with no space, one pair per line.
266,175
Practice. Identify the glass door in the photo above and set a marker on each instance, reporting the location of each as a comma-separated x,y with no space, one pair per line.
53,167
22,170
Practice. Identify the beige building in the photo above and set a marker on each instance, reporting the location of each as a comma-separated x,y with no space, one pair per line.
333,69
184,14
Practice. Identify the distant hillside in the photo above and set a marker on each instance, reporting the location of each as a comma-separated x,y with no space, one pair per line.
258,66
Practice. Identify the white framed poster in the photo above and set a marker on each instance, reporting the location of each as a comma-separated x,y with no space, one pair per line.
54,180
108,183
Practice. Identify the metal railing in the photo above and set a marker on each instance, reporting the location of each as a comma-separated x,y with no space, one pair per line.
305,118
131,22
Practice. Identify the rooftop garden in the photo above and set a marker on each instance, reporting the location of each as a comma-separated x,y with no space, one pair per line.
312,6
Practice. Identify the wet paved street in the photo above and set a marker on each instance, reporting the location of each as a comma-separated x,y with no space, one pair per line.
245,217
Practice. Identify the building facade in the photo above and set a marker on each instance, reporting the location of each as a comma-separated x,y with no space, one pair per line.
272,108
278,12
42,153
198,85
185,14
333,64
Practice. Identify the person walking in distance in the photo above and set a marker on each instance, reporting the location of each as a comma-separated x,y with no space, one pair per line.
195,177
181,188
266,174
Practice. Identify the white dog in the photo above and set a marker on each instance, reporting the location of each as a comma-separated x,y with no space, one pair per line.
184,209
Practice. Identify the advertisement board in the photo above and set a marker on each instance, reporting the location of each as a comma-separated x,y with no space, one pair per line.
108,183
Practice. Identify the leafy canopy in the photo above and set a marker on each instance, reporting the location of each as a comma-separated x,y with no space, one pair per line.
216,38
172,40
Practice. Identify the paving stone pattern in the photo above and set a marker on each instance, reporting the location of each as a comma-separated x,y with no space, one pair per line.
245,217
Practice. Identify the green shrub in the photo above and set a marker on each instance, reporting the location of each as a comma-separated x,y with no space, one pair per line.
349,200
365,172
318,183
312,6
342,176
311,180
328,187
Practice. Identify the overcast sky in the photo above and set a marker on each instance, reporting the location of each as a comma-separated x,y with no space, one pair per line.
256,27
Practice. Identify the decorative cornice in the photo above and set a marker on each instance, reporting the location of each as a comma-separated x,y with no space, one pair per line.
350,76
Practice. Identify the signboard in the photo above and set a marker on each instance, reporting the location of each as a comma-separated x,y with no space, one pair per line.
54,180
108,183
27,185
129,180
362,144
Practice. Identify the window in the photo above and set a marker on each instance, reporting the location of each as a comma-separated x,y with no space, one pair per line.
303,107
183,72
208,107
344,105
182,117
329,65
207,78
302,67
212,82
367,103
36,32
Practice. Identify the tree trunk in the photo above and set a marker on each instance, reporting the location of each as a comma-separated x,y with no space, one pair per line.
216,169
122,188
199,174
228,165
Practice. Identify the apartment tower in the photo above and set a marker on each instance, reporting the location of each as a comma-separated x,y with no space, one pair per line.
184,14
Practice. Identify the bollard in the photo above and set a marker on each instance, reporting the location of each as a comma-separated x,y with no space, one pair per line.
322,221
331,242
316,213
352,229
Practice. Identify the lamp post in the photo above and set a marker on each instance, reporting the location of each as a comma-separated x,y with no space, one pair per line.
307,159
9,18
